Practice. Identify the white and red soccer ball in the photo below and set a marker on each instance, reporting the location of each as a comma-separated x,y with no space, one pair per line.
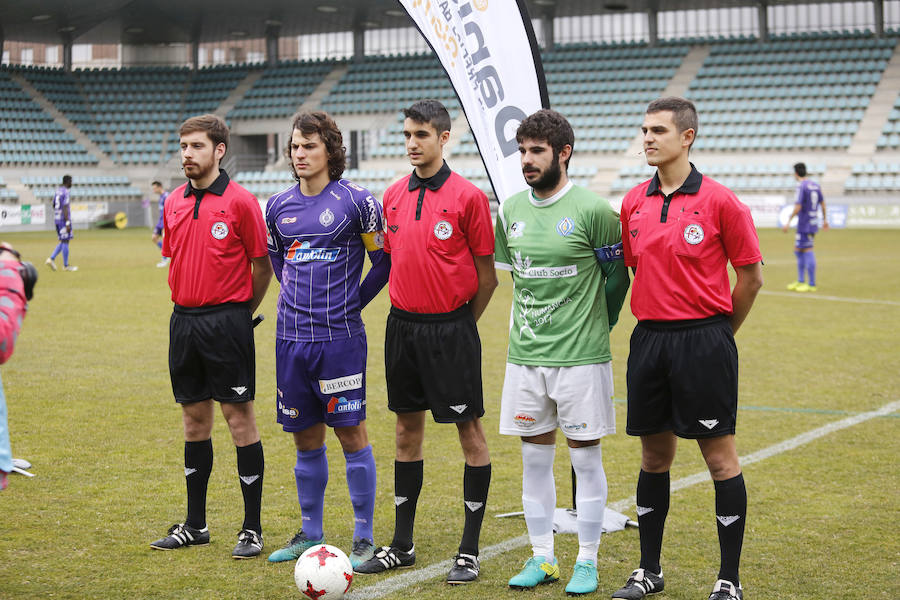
323,572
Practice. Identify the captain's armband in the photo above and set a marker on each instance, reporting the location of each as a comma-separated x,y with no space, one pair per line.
373,241
610,253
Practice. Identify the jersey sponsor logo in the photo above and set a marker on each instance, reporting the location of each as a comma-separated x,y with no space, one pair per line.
288,412
708,423
249,479
341,384
326,217
643,510
693,234
727,520
219,230
393,228
574,426
565,226
523,267
459,408
524,421
443,230
342,405
473,506
303,252
239,390
288,220
633,232
516,230
354,186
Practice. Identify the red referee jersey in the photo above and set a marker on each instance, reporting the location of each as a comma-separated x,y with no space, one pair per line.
211,240
681,245
434,228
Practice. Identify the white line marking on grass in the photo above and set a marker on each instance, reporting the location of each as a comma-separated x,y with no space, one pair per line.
816,296
410,578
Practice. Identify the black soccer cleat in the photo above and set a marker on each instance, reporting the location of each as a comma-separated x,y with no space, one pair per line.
249,545
641,583
725,590
464,570
386,558
182,535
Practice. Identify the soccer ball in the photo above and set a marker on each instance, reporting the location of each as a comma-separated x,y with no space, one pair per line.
323,573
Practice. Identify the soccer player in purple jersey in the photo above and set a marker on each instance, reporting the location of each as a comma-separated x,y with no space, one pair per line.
319,233
62,220
806,209
156,238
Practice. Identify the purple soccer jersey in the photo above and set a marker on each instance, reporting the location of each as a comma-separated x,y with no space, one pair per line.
317,251
809,196
62,212
162,208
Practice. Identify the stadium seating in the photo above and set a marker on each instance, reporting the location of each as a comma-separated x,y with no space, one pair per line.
7,194
387,83
890,134
29,135
281,90
790,93
874,177
91,187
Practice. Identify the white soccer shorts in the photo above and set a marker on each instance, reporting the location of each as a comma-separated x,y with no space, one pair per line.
576,399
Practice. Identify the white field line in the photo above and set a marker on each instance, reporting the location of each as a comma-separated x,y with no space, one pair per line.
410,578
816,296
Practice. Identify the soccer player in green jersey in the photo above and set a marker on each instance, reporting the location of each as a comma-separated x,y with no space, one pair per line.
562,244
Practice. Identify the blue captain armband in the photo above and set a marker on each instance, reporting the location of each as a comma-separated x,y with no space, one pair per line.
610,253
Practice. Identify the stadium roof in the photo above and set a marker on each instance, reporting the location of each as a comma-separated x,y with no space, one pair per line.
180,21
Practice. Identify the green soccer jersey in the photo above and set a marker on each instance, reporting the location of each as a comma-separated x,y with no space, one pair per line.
563,298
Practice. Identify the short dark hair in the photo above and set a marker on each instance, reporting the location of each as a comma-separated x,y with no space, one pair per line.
321,123
67,180
213,126
429,111
684,113
156,183
800,169
550,126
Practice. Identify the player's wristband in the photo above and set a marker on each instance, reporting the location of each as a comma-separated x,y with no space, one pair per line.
610,253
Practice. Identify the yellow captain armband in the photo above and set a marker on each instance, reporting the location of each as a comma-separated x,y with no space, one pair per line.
373,241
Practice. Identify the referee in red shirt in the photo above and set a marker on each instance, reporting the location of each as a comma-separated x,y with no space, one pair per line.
441,241
679,231
219,272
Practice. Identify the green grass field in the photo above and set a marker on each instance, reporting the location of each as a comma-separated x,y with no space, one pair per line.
90,406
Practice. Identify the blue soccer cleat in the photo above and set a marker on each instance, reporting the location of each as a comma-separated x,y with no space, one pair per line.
537,571
297,545
584,578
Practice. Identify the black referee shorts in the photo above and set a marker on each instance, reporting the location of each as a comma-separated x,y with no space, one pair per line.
433,362
212,354
683,377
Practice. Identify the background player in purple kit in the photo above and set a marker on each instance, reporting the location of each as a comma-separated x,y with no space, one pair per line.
806,209
156,238
319,233
62,219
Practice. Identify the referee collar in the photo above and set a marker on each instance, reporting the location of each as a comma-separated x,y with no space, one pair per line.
433,183
691,185
217,187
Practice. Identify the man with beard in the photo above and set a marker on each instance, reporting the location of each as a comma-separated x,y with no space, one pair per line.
562,244
319,232
681,230
441,243
219,272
